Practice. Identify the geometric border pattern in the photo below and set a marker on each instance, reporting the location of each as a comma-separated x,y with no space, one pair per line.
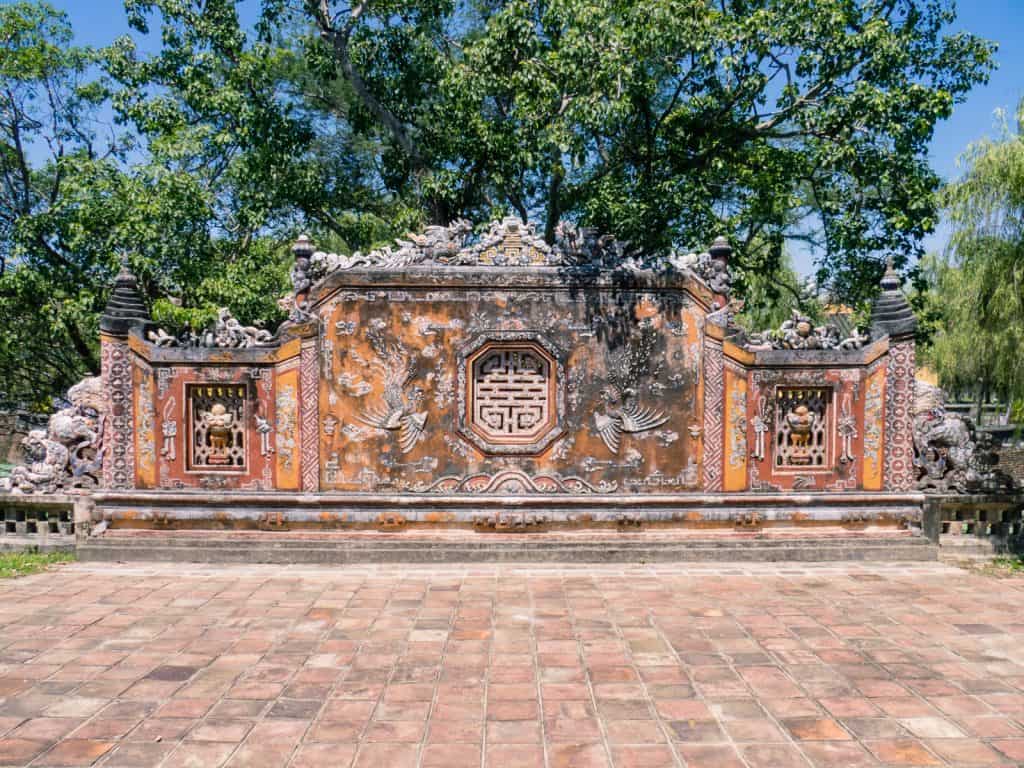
309,435
714,407
116,375
899,417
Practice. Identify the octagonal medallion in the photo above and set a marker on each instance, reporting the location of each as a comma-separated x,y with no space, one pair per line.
511,398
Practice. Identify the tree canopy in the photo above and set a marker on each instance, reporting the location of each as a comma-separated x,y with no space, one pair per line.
78,190
664,122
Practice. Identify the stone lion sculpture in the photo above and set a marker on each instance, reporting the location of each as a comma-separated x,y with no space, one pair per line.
949,454
46,462
68,454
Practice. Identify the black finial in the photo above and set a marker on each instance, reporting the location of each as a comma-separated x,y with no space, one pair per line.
125,307
303,247
891,313
720,249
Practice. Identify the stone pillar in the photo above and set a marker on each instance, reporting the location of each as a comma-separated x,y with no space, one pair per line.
714,409
309,415
892,316
124,310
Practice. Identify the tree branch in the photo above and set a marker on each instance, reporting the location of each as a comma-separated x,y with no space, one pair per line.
340,40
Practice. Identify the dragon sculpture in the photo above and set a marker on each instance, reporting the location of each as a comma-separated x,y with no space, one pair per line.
950,455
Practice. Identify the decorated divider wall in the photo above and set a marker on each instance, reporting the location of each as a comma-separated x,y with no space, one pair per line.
508,368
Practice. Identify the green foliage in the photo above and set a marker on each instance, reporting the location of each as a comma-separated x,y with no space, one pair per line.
665,122
977,302
15,564
770,297
78,192
41,280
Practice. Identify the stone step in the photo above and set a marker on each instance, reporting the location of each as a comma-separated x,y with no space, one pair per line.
409,547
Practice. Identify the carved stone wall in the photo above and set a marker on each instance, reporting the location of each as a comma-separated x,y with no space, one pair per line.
145,425
874,429
506,374
545,388
807,426
309,414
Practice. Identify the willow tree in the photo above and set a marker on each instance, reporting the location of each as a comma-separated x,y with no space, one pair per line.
980,281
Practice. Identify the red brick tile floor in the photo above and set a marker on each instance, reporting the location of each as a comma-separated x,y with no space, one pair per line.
720,665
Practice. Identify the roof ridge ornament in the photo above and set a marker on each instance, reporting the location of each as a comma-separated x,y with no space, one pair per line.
891,313
226,332
510,242
125,307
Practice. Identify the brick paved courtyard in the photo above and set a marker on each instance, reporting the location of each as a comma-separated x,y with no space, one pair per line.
753,665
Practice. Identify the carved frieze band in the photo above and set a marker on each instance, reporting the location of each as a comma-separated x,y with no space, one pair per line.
119,461
309,416
899,417
714,407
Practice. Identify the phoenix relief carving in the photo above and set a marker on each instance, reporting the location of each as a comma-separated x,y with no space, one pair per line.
398,411
623,412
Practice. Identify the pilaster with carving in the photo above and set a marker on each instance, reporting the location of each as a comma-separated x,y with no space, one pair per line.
116,374
309,415
892,315
899,416
714,408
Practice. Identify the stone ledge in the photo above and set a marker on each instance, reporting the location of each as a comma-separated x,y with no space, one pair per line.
284,498
191,509
344,548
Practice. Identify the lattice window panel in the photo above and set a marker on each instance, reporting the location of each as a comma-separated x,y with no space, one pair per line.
792,448
511,394
203,452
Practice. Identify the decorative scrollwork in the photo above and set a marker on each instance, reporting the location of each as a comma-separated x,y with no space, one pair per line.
847,429
510,242
517,482
225,333
799,332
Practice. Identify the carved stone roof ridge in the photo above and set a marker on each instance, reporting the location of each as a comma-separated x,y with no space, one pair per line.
511,243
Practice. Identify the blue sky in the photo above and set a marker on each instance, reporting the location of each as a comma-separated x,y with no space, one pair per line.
98,22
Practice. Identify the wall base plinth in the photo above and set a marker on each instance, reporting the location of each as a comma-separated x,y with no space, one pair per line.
328,511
